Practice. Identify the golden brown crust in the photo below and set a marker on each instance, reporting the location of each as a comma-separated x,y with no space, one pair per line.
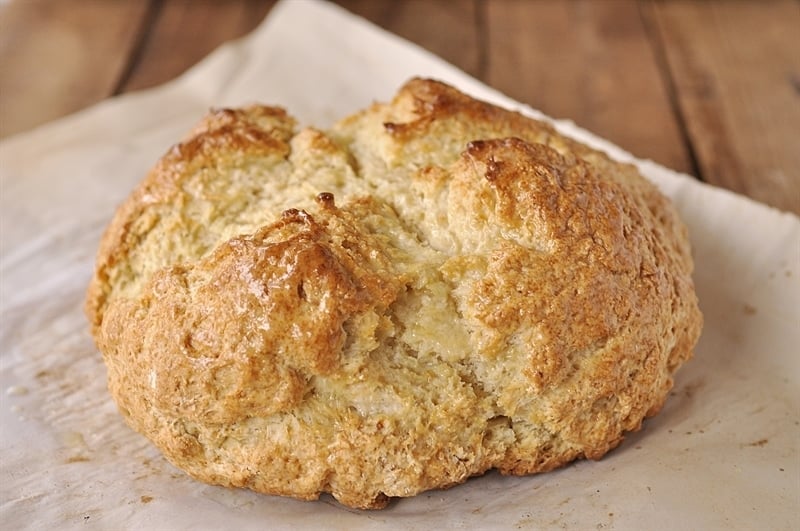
433,288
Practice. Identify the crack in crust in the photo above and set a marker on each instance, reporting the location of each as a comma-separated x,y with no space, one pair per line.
433,288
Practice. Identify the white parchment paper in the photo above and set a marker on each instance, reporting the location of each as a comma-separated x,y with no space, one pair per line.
723,453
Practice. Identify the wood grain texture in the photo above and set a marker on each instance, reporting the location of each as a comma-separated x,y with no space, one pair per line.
59,56
591,62
448,28
185,31
736,72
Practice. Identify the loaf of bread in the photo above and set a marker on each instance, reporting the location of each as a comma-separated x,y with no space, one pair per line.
432,288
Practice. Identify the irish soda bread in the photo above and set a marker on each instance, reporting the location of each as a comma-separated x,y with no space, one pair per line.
432,288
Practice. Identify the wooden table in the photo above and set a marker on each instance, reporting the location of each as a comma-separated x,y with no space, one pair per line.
711,88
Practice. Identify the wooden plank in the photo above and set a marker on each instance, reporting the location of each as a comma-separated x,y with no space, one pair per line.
591,62
736,70
448,28
185,31
58,57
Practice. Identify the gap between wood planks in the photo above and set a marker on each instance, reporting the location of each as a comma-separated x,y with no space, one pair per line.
659,53
146,27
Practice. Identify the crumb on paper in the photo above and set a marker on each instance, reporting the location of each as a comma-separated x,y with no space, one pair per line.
74,439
